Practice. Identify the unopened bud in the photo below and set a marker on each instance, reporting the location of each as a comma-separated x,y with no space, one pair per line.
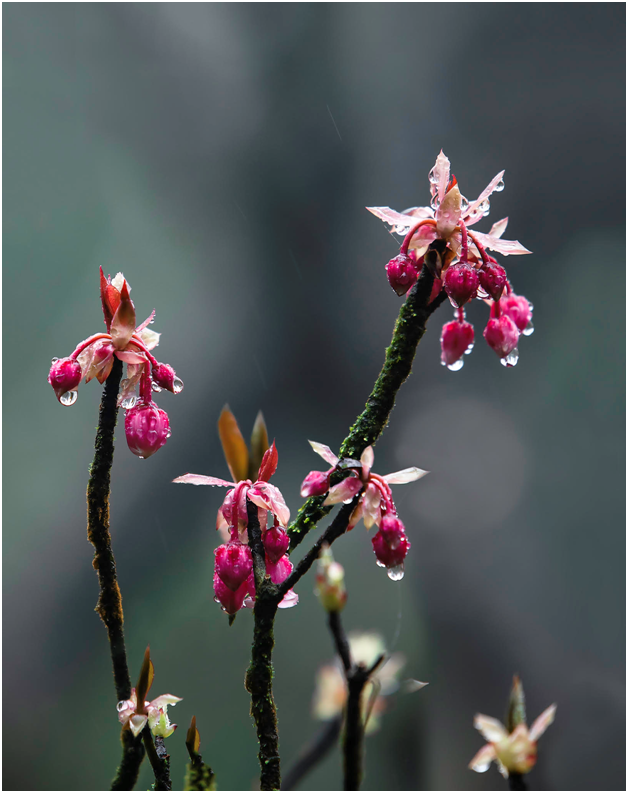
461,283
276,542
165,377
65,375
401,273
502,335
147,429
518,309
279,570
230,601
455,340
492,279
315,484
330,582
233,564
390,544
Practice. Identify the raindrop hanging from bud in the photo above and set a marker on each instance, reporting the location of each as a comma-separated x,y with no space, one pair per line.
129,402
396,573
177,385
499,186
156,388
529,329
69,398
54,360
511,359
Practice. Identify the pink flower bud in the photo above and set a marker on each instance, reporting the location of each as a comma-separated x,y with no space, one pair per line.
501,335
401,273
461,283
276,542
492,279
315,484
279,570
65,375
147,429
165,376
390,543
233,564
518,309
229,600
455,340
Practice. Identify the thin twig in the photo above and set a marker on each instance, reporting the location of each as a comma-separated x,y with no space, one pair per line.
313,753
159,759
516,782
341,641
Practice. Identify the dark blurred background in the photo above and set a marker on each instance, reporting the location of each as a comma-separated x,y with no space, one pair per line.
221,156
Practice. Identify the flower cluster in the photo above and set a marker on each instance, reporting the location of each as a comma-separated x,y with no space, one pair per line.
134,716
438,237
375,505
147,427
234,582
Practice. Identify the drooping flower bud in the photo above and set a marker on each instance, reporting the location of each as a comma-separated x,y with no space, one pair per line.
492,279
165,376
229,600
502,335
461,283
391,546
455,340
276,542
147,429
315,484
330,582
401,273
233,564
279,570
65,375
518,309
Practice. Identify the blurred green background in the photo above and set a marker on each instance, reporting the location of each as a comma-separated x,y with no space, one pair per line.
221,156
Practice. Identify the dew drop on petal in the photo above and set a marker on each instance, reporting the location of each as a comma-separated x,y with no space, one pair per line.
156,388
177,385
469,349
139,457
434,203
396,573
529,329
129,402
511,359
482,294
120,705
54,360
464,204
69,398
379,564
168,434
456,366
499,186
433,176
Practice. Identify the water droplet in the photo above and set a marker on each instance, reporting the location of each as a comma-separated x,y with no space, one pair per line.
482,294
380,564
139,457
434,203
485,207
402,229
156,388
177,385
54,360
396,573
69,398
456,366
168,434
511,359
499,186
129,402
433,176
529,329
152,322
469,348
531,306
464,203
121,705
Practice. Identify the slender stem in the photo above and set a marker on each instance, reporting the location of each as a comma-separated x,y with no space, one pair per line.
159,759
516,782
409,329
259,676
313,753
109,606
340,640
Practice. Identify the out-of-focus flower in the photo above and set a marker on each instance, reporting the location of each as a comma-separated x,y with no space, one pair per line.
374,504
330,581
330,694
514,748
438,237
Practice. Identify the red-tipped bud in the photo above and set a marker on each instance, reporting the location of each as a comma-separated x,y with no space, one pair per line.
229,600
401,273
147,429
233,564
279,570
502,335
518,309
315,484
461,283
65,375
455,340
391,545
276,542
492,279
165,376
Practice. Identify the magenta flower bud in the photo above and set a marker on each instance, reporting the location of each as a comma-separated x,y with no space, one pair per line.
390,544
279,570
518,309
229,600
276,542
401,273
233,564
315,484
65,375
492,279
455,340
461,283
147,429
164,376
501,335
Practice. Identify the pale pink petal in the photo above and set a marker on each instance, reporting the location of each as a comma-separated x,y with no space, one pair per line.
491,729
198,479
497,229
165,699
371,505
410,686
146,322
439,176
419,213
448,213
505,247
290,599
367,459
150,338
422,238
325,452
343,491
356,517
137,724
128,356
542,723
405,476
473,214
401,223
483,759
123,322
269,497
